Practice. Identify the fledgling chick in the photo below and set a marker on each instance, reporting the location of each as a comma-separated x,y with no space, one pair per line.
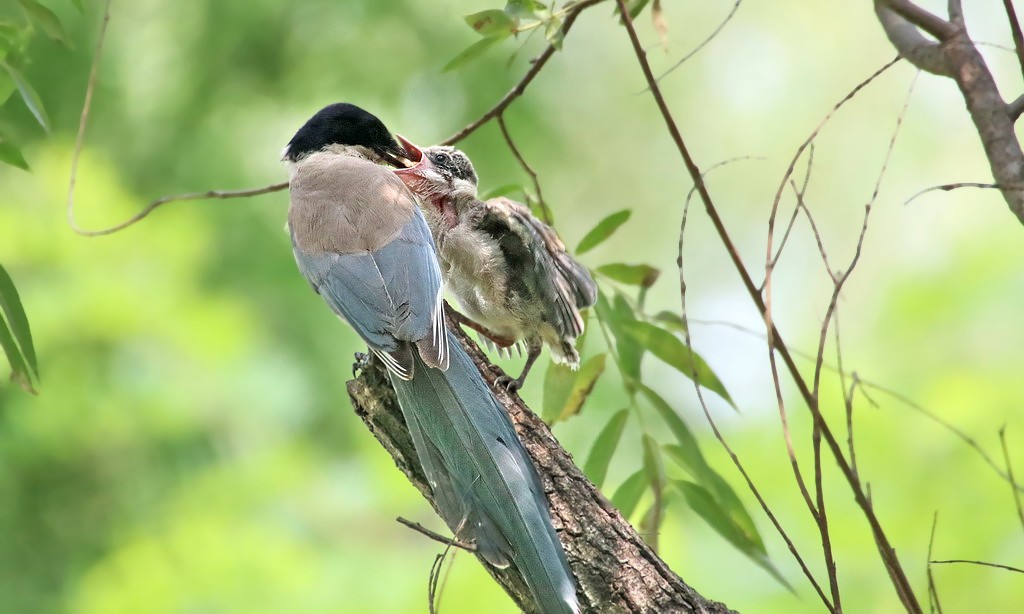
508,270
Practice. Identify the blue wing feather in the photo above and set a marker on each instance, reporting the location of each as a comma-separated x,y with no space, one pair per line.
391,296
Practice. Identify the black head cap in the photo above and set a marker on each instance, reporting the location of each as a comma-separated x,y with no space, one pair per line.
344,124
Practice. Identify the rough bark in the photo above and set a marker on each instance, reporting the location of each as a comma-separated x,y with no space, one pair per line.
615,570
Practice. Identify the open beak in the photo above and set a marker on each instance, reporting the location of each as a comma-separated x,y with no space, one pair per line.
415,155
396,156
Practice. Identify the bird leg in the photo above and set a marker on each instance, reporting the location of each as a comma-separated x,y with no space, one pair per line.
462,320
361,362
513,385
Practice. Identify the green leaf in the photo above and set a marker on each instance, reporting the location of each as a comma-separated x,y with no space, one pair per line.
29,95
633,274
471,53
675,423
502,190
671,350
636,7
10,304
554,33
558,382
9,154
492,23
671,321
627,496
654,465
604,448
524,9
584,382
7,86
629,352
704,504
78,5
48,21
602,231
19,372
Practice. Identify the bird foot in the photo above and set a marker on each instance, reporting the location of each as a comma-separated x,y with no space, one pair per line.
509,383
362,361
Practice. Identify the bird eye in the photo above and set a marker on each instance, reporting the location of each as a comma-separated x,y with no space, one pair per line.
439,158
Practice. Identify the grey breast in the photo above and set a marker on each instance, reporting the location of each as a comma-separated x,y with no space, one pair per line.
346,205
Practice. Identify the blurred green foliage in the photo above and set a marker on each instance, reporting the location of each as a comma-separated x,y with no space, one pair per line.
193,449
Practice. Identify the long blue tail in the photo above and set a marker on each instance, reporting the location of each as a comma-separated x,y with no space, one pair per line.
484,484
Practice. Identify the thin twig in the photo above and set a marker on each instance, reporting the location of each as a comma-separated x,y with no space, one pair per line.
1018,36
84,119
864,384
695,50
946,187
163,200
1009,472
536,65
448,541
933,592
982,563
800,150
80,141
707,414
544,210
899,579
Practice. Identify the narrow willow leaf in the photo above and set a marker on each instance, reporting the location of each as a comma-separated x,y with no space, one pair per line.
670,349
701,502
586,377
29,95
558,384
524,8
637,7
596,468
78,5
471,53
654,465
19,371
502,190
48,21
675,423
602,231
628,351
633,274
10,304
492,23
9,154
627,496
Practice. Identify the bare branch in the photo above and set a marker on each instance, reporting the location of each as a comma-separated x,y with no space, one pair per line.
536,65
1015,108
934,25
910,43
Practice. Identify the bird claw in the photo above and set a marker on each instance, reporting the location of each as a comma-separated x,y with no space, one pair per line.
362,361
507,382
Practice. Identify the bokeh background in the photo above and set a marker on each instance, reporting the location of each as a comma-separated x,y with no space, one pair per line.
192,448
